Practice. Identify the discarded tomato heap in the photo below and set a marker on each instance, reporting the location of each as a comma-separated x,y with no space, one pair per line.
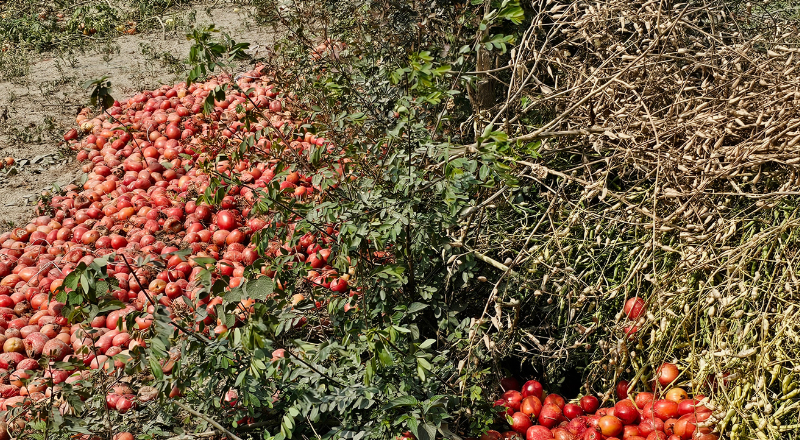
138,201
668,413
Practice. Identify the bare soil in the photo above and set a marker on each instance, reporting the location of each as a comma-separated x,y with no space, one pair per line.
38,107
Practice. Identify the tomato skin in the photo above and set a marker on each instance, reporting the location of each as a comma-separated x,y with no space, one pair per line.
572,411
491,435
520,422
610,426
634,308
589,404
626,411
646,426
550,416
592,435
538,432
622,390
643,399
533,388
667,373
630,431
512,398
507,383
531,406
555,399
226,220
665,409
676,395
340,285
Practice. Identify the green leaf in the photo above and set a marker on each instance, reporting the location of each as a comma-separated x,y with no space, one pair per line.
428,432
156,368
402,401
369,371
202,261
71,281
427,343
413,426
260,288
416,307
422,362
234,295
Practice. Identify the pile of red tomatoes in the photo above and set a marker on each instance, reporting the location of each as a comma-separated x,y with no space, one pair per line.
668,415
141,158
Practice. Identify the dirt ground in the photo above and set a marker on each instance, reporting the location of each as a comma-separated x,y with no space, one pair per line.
37,108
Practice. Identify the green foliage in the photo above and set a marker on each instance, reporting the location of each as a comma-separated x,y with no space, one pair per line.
408,354
66,24
207,55
390,363
87,291
101,92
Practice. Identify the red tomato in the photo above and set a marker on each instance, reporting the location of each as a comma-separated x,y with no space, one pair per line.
507,383
538,432
667,373
589,404
555,399
634,308
512,398
520,422
626,411
533,388
610,426
531,406
225,220
572,410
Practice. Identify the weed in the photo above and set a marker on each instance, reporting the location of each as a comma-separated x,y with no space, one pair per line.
167,60
14,64
108,49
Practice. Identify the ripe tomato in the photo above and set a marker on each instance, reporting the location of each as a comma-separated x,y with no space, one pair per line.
512,398
634,308
667,373
626,411
531,406
589,404
225,220
550,416
676,395
610,426
665,409
554,399
538,432
533,388
622,390
572,410
491,435
643,399
520,422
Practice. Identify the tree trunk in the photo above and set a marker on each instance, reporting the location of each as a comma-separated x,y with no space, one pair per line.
484,93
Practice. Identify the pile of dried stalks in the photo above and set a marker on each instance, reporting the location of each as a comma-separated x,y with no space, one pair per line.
683,190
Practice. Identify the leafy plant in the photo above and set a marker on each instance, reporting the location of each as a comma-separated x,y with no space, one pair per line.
101,92
206,55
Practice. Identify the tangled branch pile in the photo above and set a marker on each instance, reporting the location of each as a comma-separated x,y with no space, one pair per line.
685,193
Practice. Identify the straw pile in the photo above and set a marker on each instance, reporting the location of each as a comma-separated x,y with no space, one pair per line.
670,170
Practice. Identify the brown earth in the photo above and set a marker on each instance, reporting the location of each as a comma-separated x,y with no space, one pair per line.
38,107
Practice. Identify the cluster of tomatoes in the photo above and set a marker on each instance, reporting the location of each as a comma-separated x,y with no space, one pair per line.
142,160
673,415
